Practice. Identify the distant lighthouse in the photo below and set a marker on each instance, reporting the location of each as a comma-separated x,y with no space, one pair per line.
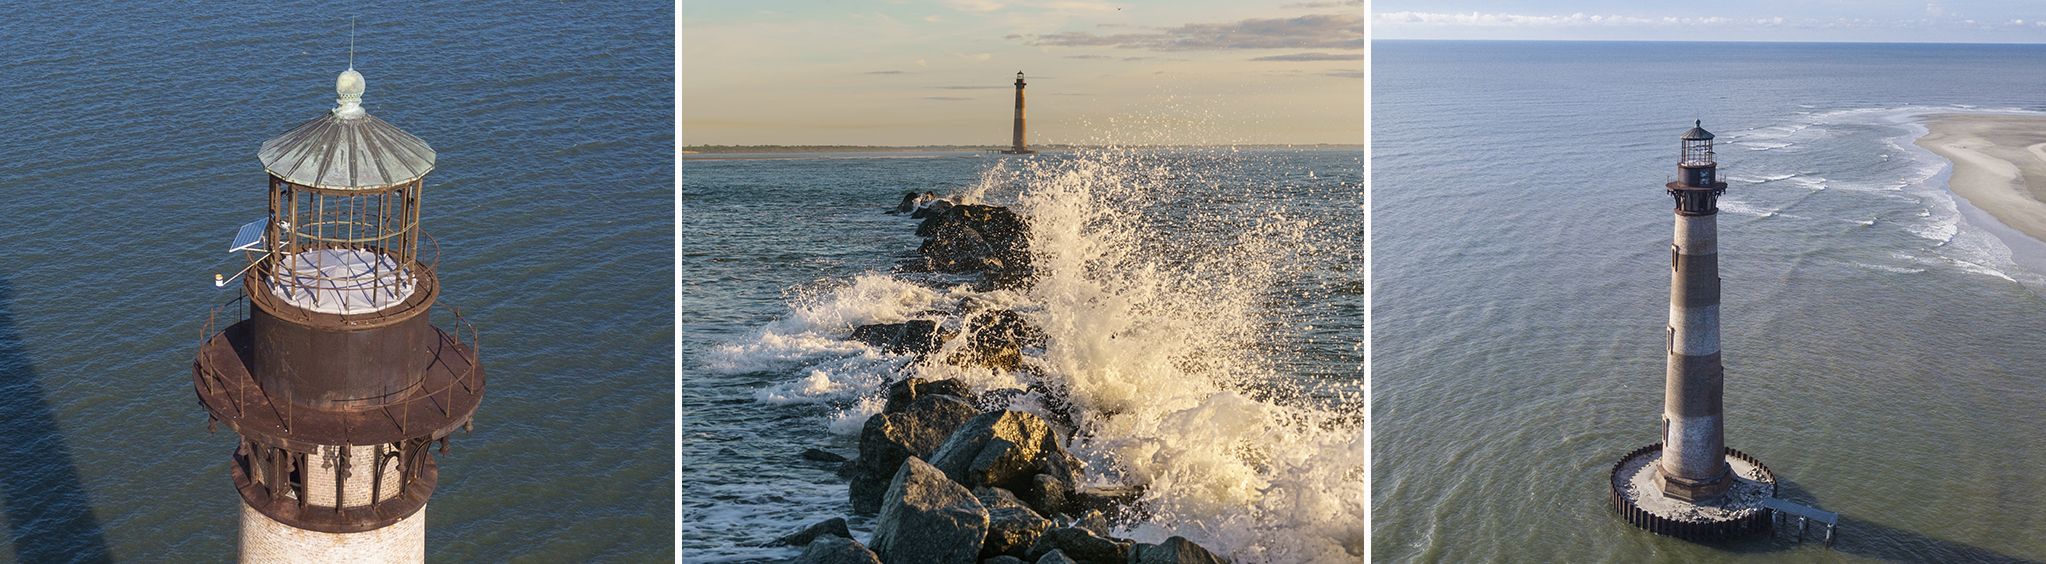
1019,146
1690,485
331,373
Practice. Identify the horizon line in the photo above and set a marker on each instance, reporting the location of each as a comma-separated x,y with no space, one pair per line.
1773,41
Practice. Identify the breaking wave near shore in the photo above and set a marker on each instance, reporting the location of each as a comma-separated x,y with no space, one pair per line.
1200,326
1860,169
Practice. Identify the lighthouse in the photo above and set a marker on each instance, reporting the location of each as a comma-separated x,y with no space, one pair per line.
1690,484
329,367
1694,430
1018,145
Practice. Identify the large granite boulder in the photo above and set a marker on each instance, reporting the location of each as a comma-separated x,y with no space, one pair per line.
1055,557
928,518
916,336
994,498
834,526
1109,499
971,237
836,550
1079,544
889,438
902,392
955,247
1005,449
1048,494
1175,550
1011,530
996,339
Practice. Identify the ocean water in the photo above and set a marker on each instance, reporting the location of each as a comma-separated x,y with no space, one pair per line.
1204,305
1882,338
130,136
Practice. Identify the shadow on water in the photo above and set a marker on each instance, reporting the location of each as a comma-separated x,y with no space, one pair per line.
1856,537
47,510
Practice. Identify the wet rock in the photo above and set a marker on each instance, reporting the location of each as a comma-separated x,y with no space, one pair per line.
934,208
928,518
1005,559
1175,550
1000,399
996,339
822,455
970,237
1055,557
1012,530
909,202
1095,522
906,390
1048,494
1005,449
889,438
834,526
956,248
846,470
994,498
1053,396
916,336
1111,499
835,550
1079,544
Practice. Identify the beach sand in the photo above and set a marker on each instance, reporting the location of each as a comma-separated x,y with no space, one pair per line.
1999,165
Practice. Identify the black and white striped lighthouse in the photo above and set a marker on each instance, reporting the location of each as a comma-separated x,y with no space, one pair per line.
1693,426
1690,485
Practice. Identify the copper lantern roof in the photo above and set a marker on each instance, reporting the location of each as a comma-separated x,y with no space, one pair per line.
347,149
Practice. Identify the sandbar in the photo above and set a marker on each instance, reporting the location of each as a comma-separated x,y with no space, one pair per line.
1999,165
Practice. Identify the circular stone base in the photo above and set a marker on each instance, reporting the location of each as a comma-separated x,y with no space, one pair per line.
1737,513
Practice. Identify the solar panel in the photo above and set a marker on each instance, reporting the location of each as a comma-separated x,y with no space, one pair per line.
250,237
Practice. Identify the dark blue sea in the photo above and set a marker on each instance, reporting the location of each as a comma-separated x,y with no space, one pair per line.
1882,338
129,138
1204,305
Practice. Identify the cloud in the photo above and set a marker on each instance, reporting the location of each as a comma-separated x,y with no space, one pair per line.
975,56
974,5
947,98
975,87
1345,73
1078,6
1327,31
922,63
1112,57
1483,19
1333,4
883,72
1314,57
934,18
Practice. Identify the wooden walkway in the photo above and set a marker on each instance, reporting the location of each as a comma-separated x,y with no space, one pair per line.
1784,510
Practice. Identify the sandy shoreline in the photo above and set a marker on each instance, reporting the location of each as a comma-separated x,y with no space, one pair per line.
1999,165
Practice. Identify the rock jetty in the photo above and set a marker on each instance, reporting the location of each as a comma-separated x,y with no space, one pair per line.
954,476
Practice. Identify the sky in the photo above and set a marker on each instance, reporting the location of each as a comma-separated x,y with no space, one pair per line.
1899,21
942,72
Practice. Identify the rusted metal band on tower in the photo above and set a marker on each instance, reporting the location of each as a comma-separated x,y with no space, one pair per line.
1700,396
446,399
1753,523
291,510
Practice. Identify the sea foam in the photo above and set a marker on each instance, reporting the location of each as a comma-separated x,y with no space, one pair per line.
1156,293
